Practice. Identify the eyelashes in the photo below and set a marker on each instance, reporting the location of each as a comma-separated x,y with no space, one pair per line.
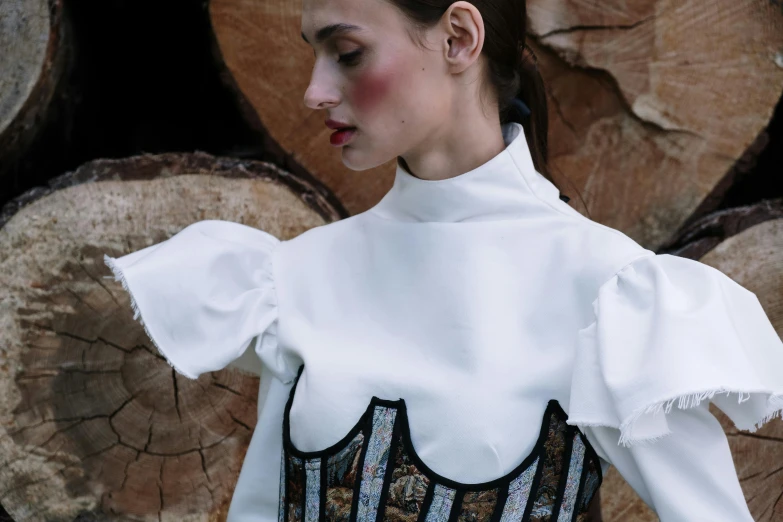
350,59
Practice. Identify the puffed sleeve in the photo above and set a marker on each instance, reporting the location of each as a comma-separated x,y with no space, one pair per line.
669,331
206,295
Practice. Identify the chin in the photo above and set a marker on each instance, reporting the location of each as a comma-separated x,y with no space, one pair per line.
355,160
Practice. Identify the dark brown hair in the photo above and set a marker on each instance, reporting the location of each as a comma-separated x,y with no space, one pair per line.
512,65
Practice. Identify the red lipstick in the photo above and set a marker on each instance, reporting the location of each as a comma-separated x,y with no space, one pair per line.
343,132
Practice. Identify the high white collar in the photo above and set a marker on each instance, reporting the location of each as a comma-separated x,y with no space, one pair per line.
504,187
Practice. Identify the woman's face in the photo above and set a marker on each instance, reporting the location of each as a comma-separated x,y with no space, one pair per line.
375,78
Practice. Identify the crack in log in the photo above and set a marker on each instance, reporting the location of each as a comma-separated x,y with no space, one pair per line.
160,488
82,301
778,470
223,386
125,471
575,28
99,282
754,475
73,336
777,501
248,428
114,345
755,436
149,437
559,111
176,394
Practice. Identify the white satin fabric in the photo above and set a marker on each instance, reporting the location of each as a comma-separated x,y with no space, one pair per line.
477,299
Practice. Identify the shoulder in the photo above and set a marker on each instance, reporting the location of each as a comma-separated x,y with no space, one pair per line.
316,239
598,251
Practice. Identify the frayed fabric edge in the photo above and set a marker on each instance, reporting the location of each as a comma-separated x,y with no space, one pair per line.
691,400
120,276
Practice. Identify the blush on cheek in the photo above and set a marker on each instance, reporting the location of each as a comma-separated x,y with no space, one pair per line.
371,89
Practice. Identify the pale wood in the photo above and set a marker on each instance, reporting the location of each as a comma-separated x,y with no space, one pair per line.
653,102
94,424
34,38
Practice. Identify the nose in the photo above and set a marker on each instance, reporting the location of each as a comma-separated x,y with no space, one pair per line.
319,95
316,98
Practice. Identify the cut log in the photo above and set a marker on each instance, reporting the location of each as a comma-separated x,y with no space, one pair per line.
651,103
704,234
34,38
94,423
753,258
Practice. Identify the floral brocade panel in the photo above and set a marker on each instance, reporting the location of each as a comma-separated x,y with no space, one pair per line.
295,489
407,486
554,461
478,506
374,475
341,479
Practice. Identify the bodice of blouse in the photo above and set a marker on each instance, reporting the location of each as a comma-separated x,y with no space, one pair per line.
374,473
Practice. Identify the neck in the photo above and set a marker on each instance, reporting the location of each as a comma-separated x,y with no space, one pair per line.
505,186
465,149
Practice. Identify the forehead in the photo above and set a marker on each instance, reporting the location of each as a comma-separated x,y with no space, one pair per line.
371,16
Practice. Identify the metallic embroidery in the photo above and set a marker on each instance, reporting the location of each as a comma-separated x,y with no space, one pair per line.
572,481
313,489
442,500
281,504
518,494
375,461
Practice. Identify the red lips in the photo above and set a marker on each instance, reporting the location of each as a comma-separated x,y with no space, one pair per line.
332,124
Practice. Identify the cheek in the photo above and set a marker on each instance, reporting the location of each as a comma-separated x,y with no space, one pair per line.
372,89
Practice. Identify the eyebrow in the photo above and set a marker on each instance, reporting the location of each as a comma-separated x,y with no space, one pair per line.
332,30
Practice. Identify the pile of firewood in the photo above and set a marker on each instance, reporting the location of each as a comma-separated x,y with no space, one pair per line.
663,125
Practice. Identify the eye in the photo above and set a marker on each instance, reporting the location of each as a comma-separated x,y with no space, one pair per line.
350,59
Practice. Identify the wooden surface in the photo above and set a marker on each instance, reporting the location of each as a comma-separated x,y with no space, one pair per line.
654,101
93,422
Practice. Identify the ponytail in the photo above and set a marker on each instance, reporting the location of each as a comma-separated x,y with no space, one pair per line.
536,123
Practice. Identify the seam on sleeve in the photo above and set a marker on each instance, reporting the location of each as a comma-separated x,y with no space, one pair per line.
616,274
273,272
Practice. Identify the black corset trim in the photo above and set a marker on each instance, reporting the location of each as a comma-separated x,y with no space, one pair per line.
547,492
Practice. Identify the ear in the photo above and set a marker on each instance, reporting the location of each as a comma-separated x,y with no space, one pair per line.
464,28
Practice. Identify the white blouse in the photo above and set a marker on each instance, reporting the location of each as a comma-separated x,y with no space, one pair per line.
477,299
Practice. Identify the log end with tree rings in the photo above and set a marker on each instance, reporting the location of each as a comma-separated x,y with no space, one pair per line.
95,425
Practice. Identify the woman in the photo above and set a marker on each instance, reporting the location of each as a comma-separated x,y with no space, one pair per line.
470,347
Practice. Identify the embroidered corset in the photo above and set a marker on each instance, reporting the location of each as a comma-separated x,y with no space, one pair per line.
374,474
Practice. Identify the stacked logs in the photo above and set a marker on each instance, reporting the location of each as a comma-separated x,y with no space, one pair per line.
658,111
